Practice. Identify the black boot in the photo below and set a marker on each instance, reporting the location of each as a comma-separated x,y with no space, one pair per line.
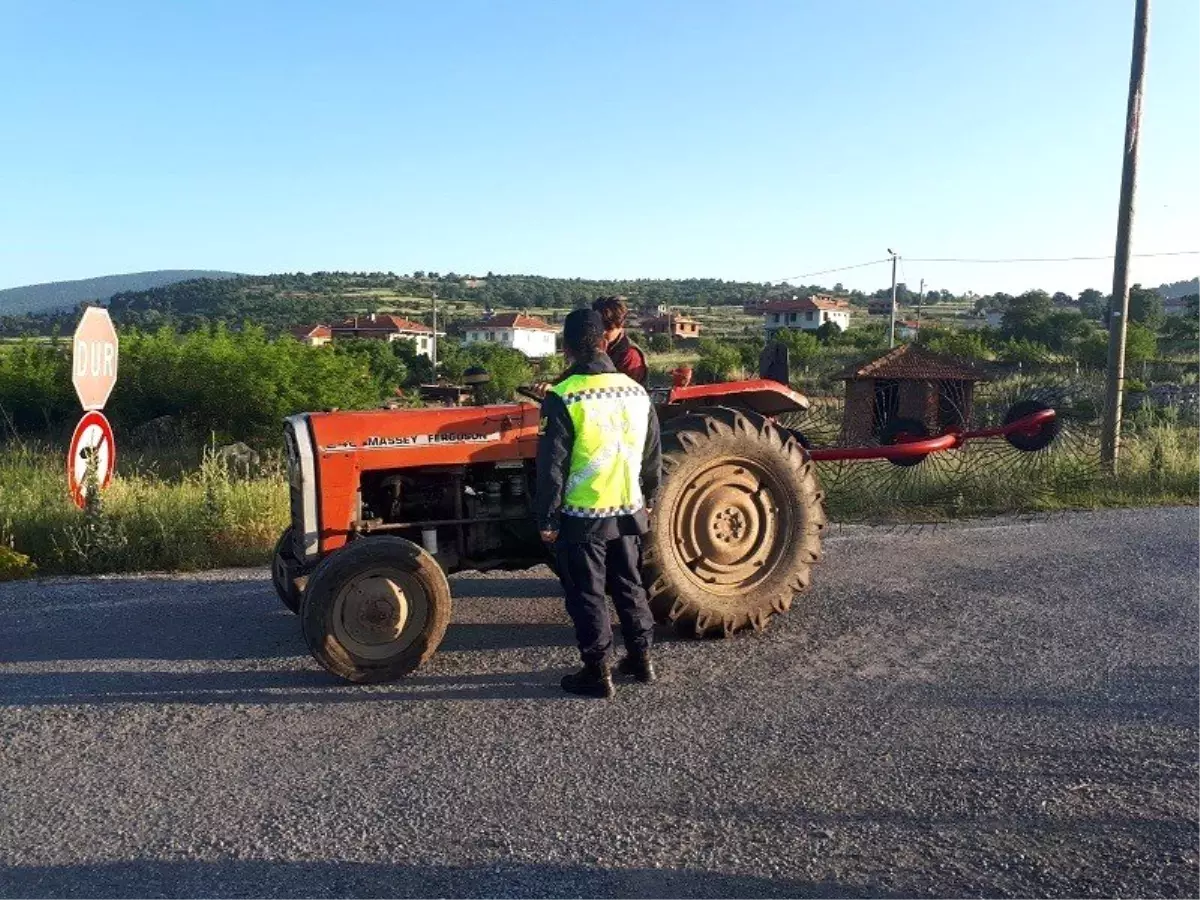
639,665
593,680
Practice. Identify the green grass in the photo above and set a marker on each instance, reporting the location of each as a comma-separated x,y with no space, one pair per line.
184,511
1159,466
204,518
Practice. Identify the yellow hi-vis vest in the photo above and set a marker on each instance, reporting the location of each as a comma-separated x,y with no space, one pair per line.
610,414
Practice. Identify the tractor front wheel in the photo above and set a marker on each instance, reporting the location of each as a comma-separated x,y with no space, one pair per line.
736,525
375,610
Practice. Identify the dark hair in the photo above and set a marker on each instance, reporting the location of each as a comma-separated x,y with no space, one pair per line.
613,311
583,333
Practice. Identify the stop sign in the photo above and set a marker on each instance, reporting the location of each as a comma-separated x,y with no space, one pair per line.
94,358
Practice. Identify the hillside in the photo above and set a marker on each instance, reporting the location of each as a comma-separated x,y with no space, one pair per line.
278,301
1178,289
58,296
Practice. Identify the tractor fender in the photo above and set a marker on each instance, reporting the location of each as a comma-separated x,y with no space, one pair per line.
761,395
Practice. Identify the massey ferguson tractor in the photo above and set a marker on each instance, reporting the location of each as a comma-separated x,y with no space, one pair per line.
386,503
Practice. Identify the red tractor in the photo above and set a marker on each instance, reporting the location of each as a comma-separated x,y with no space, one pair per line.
386,503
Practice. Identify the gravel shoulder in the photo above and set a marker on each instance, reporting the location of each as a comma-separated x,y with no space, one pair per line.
1001,709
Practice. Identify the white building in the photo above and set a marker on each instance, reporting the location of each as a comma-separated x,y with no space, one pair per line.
387,327
529,334
808,314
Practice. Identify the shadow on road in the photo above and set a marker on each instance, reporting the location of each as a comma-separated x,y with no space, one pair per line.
265,688
1169,695
170,620
231,878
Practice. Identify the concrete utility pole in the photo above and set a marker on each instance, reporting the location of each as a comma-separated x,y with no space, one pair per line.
920,300
433,344
1110,442
892,332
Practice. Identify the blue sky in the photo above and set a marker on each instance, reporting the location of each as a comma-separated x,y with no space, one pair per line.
755,140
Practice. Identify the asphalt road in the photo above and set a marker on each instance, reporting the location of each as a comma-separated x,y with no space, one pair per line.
969,710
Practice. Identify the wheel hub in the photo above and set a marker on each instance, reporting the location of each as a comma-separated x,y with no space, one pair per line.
372,611
727,524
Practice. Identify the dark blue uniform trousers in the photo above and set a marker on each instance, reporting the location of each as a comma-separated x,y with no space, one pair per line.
588,568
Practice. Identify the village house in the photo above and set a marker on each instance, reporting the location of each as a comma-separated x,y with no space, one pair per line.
529,334
313,335
672,325
387,327
807,314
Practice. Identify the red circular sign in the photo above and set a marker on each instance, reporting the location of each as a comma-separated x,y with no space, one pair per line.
93,438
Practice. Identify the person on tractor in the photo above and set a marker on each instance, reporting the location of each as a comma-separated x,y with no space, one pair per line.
626,355
599,463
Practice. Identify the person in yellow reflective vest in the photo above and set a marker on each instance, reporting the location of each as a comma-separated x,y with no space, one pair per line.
599,464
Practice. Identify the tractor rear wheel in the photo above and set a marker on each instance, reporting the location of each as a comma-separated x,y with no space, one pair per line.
281,575
736,525
375,610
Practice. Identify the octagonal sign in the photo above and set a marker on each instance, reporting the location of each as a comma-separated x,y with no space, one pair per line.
94,358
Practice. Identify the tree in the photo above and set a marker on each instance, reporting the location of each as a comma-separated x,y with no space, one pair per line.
802,345
659,343
1026,314
963,344
1062,329
1020,350
828,332
1141,344
1146,307
1060,299
1093,304
718,361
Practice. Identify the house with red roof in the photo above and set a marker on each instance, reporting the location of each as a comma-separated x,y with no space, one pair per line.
313,335
805,314
387,327
529,334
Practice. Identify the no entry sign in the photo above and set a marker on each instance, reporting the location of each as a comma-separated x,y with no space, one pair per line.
93,440
94,358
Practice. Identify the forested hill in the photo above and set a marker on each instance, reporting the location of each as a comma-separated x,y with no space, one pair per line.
277,301
1179,289
56,296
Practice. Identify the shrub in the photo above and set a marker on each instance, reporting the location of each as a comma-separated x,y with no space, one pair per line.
14,565
659,343
718,362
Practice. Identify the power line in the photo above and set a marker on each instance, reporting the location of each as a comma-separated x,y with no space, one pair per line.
1028,259
1040,259
873,262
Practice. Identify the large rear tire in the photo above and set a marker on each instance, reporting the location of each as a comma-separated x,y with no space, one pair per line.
736,526
375,610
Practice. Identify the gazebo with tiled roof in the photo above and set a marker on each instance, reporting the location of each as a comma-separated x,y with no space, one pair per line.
909,382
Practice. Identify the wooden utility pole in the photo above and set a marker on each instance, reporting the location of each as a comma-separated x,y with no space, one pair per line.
892,332
1110,443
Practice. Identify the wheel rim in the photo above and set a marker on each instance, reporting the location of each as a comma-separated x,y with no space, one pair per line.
727,524
379,613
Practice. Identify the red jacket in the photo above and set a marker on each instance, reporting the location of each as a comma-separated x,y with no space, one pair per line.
628,358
